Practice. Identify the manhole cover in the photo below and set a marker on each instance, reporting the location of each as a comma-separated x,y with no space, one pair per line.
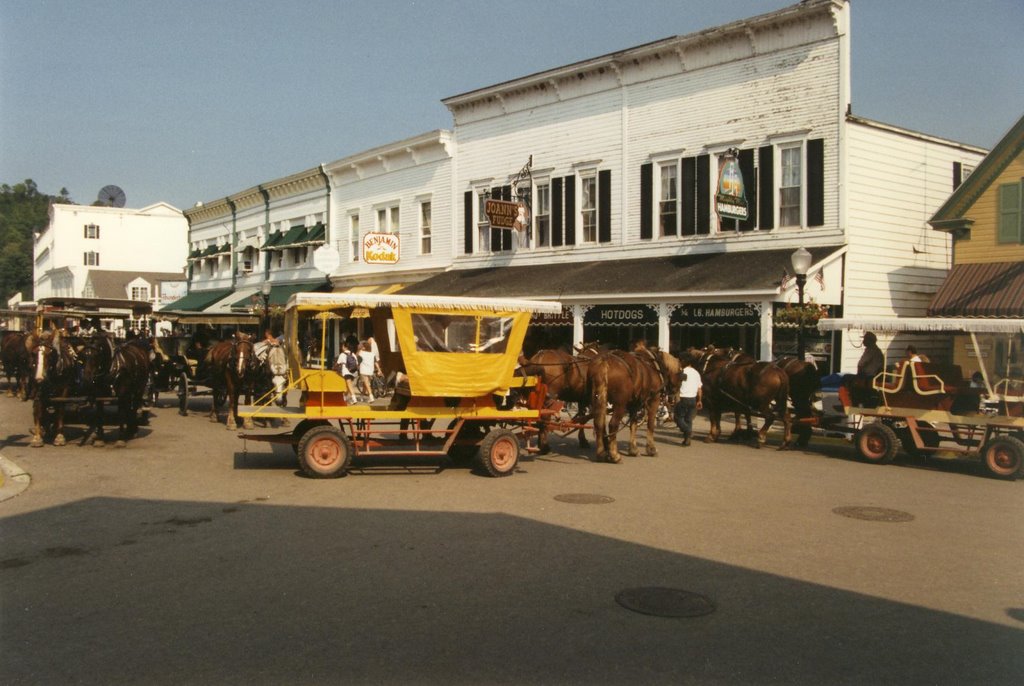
874,514
665,602
584,498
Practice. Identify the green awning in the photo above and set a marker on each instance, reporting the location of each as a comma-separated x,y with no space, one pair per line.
195,253
212,250
272,240
297,234
316,233
226,248
196,301
280,293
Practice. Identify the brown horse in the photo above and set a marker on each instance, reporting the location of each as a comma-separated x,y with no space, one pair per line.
17,364
565,376
804,384
54,369
120,372
742,385
632,382
232,368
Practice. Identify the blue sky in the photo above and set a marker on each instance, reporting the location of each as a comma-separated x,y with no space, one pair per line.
193,100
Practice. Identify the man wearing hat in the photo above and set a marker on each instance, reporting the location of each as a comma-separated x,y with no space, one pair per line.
872,361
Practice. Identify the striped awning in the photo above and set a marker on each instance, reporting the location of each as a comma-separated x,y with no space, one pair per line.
994,289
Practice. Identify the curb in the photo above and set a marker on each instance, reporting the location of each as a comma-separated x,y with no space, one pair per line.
13,479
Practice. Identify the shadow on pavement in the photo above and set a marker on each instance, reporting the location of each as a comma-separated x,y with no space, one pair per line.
250,592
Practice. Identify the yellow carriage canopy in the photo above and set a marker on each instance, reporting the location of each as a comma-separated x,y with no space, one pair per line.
449,347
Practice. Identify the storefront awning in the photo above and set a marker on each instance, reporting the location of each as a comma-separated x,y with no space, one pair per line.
734,275
380,289
995,289
279,293
197,300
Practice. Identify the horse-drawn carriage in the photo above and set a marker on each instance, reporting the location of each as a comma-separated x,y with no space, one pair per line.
73,364
931,408
456,358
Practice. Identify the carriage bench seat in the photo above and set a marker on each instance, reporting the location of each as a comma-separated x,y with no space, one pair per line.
923,385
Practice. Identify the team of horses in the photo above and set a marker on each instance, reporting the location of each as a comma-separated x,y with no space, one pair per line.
57,371
52,368
631,385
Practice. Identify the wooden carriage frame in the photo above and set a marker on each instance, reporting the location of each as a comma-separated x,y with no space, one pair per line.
917,409
459,356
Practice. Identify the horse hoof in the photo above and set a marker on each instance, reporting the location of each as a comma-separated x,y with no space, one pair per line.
120,444
615,458
230,427
36,443
59,440
652,453
247,424
98,444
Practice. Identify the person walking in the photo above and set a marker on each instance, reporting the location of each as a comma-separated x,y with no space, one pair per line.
367,368
691,390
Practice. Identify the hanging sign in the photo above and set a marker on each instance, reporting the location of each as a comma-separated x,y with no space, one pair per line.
731,199
715,314
326,259
563,318
502,214
621,315
381,248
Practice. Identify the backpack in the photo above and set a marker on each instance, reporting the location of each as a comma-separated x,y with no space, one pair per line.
351,363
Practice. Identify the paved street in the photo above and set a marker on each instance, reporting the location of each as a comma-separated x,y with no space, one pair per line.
189,557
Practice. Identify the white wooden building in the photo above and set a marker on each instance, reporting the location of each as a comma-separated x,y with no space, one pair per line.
627,150
399,196
264,234
80,242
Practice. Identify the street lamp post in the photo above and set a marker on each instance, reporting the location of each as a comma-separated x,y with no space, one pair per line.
265,292
801,260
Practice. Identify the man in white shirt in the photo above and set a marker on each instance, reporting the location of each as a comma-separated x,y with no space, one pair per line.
690,394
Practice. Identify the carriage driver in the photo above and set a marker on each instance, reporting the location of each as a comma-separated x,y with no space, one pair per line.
690,393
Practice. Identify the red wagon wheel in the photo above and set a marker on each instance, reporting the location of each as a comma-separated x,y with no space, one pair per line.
324,452
877,443
499,452
1004,457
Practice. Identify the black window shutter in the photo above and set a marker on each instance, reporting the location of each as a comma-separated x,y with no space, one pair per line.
958,175
604,206
766,186
646,201
556,211
750,188
570,210
816,182
468,226
506,234
688,177
704,194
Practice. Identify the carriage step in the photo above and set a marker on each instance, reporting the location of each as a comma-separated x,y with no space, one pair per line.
270,411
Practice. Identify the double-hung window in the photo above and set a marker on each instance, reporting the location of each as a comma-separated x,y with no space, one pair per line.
91,259
668,199
483,225
92,231
542,215
790,184
425,227
353,233
387,219
588,207
1010,228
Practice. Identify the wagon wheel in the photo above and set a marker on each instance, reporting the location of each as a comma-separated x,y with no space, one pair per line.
499,452
324,452
877,443
183,394
1004,457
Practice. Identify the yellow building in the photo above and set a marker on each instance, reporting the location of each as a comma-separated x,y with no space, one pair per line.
985,216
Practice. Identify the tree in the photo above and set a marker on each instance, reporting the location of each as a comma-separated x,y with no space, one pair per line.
24,211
